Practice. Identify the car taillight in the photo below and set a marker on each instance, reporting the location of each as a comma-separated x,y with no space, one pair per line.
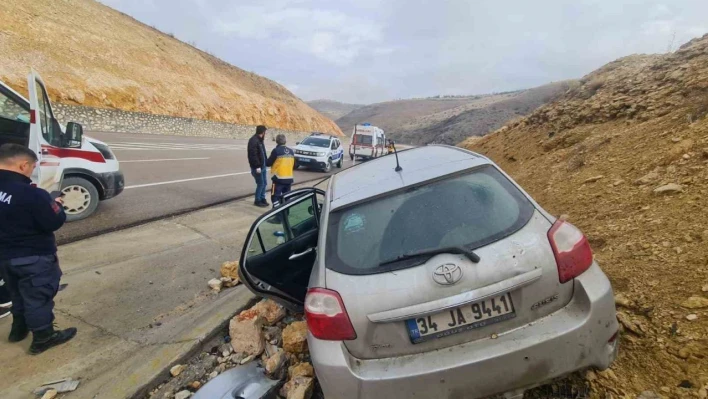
571,249
326,316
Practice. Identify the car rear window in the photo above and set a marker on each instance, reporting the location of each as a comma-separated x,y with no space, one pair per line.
471,210
362,139
316,142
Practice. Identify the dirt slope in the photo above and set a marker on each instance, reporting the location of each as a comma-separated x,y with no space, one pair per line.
333,109
93,55
604,155
478,117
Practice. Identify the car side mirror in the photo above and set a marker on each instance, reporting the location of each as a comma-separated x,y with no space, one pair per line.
74,135
310,210
297,143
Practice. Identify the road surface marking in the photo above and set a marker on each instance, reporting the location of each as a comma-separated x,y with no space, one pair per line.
173,146
186,180
162,160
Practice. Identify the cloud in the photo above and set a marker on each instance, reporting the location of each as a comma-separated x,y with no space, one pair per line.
329,35
364,51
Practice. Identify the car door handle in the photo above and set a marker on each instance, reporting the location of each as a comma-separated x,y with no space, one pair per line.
301,254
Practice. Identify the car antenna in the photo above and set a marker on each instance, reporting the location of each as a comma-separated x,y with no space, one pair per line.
395,152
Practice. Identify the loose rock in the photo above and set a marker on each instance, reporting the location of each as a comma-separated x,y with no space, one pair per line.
298,388
275,365
705,288
195,385
183,394
621,300
648,395
301,370
247,359
692,317
246,335
295,337
50,394
215,284
593,179
213,374
630,324
177,370
670,188
230,270
648,178
269,310
695,302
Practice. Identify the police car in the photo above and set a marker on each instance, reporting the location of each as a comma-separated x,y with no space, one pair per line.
319,151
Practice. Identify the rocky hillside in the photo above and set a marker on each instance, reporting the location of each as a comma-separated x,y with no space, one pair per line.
92,55
391,115
625,157
333,109
478,117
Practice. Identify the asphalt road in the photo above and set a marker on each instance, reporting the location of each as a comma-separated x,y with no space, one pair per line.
167,175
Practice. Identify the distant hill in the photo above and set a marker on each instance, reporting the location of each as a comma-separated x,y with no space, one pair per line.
90,54
391,115
333,109
477,117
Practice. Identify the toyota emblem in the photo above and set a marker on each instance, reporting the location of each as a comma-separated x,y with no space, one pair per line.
447,274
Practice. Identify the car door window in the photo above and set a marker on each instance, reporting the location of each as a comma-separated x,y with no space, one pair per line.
279,228
44,113
334,145
10,109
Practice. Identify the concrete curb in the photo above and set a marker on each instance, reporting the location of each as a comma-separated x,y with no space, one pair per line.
143,390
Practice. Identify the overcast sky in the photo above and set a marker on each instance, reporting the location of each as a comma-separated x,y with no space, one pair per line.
364,51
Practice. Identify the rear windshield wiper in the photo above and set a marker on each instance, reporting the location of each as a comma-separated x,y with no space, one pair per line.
429,253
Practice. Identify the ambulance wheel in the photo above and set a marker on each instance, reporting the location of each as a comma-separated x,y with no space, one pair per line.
328,166
80,198
339,164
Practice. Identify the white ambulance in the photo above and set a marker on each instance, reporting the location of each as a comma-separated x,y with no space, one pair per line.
82,168
367,142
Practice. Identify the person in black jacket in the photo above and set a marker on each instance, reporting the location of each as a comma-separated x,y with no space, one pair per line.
257,161
28,261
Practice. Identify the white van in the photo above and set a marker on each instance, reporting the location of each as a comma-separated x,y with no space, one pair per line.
367,142
82,168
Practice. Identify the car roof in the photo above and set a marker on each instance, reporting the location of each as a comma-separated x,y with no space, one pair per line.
419,164
315,134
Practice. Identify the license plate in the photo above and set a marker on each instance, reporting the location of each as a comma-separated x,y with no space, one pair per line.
467,317
303,159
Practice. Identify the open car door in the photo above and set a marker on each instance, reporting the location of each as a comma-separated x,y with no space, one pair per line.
43,128
281,248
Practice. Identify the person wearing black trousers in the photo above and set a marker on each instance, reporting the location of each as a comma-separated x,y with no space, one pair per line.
5,300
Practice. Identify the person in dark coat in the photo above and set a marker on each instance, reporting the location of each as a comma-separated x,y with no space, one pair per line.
28,261
257,160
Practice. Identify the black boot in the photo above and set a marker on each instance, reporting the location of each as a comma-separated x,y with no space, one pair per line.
48,338
19,329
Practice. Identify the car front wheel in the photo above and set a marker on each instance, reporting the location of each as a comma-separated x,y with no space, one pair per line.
80,198
328,166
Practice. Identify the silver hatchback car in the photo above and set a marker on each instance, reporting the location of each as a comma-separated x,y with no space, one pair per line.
441,280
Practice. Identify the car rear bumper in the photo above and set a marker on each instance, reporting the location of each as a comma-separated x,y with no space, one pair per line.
113,184
573,338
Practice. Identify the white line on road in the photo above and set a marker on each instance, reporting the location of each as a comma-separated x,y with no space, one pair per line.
186,180
162,160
